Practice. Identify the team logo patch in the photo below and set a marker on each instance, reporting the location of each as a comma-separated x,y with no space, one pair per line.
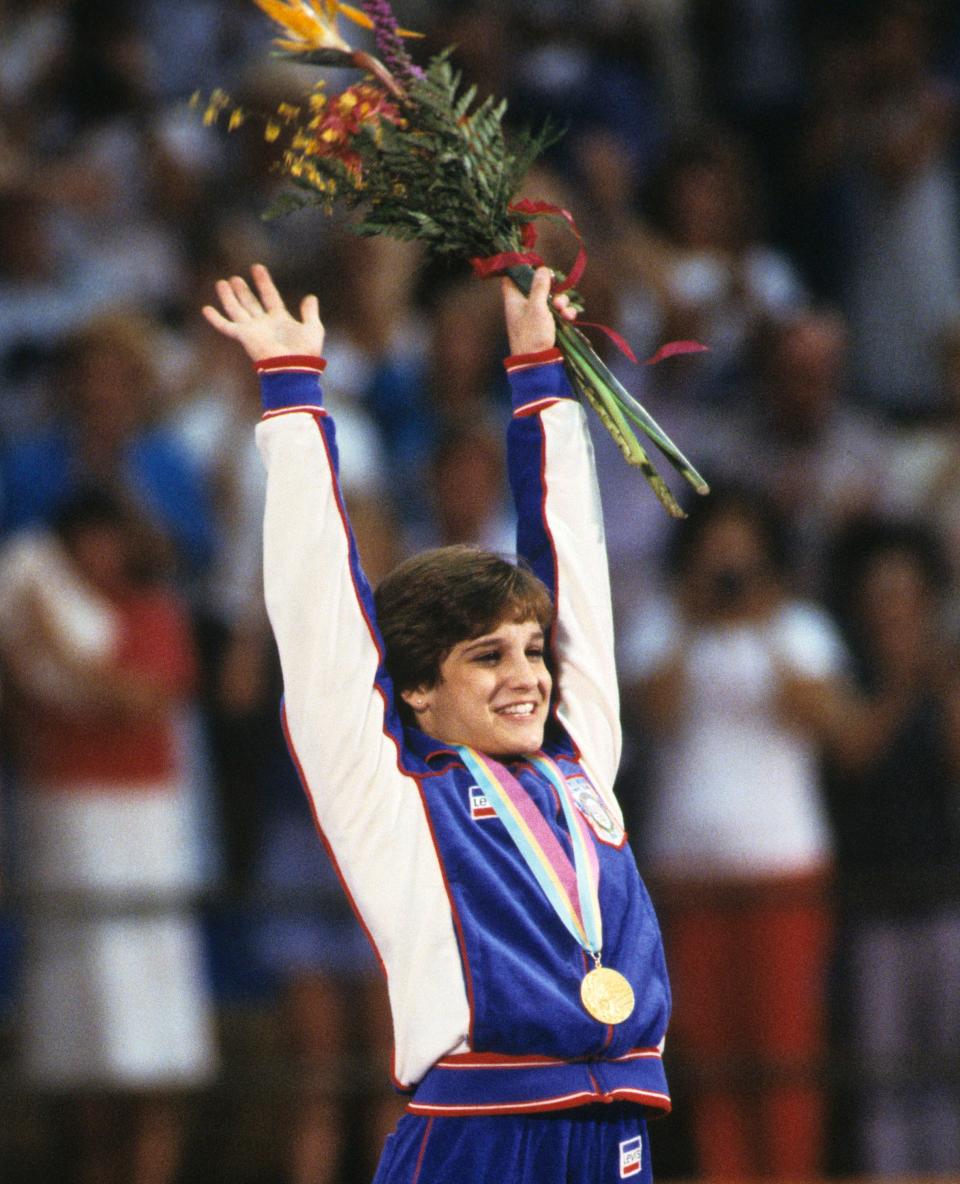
592,807
631,1157
480,806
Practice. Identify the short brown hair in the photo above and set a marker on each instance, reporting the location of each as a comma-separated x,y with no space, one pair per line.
435,600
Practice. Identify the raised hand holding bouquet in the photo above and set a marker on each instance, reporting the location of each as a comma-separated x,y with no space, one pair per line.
420,160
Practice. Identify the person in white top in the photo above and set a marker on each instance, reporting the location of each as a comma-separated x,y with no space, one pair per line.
734,682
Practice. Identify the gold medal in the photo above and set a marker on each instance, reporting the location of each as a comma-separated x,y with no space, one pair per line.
607,995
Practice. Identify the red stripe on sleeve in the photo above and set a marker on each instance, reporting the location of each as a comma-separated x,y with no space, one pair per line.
521,361
292,362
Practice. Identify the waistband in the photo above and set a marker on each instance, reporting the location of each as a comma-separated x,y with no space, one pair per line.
491,1083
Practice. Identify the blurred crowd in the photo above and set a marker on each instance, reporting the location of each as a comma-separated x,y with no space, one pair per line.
777,179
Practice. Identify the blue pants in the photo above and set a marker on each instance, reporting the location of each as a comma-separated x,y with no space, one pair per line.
600,1144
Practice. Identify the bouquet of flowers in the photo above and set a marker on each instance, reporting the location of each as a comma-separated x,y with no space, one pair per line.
420,159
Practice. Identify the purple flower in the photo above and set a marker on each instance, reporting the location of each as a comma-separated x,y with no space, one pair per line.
389,44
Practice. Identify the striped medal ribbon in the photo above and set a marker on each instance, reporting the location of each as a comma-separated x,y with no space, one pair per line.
571,888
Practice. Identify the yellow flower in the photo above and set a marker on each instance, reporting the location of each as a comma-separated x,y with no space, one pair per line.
312,23
217,102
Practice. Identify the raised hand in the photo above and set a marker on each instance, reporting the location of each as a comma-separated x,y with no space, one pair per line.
531,327
260,321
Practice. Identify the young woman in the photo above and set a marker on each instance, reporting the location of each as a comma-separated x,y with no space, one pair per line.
458,737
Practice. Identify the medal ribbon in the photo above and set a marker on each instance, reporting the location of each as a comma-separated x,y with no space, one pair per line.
571,888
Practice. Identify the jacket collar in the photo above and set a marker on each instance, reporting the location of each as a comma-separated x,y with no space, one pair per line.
435,754
429,749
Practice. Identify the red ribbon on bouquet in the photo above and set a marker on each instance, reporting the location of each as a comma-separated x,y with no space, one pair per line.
499,264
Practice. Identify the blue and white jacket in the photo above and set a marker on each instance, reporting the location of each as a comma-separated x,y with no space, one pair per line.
483,977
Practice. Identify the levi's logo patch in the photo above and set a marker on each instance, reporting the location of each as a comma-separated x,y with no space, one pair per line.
631,1157
480,804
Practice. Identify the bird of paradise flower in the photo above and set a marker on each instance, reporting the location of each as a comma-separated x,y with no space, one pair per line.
312,24
314,39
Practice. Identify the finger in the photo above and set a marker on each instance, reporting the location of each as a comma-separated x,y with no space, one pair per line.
246,298
231,305
563,308
310,310
219,321
540,288
271,299
513,299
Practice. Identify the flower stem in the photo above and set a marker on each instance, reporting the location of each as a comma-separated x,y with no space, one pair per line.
609,410
634,409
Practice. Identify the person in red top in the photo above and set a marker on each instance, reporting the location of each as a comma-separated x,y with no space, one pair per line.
124,734
116,1019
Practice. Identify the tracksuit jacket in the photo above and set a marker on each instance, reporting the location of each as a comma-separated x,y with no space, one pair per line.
483,977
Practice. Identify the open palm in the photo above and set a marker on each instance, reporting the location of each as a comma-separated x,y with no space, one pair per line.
260,321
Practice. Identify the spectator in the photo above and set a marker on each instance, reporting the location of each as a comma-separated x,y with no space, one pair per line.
715,279
820,459
467,477
755,58
108,433
44,295
379,361
882,138
923,478
115,1017
895,796
602,72
733,680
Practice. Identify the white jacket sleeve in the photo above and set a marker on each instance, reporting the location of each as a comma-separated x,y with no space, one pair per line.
560,533
342,729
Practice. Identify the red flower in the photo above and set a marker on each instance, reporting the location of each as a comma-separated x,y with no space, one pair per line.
345,115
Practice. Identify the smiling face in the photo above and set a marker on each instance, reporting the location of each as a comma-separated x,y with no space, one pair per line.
493,692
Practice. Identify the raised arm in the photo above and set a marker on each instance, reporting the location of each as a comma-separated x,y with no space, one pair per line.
560,527
341,726
336,699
